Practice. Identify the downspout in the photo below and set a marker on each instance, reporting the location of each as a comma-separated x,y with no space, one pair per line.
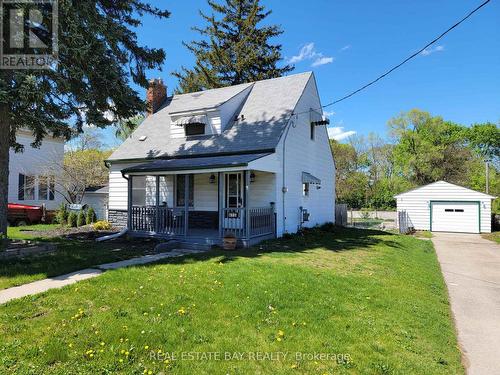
284,189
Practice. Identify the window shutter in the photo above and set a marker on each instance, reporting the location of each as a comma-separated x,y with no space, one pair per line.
20,190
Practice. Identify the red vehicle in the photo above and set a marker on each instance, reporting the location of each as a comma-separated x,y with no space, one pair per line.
22,214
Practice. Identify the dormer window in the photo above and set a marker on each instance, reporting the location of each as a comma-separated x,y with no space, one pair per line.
192,125
194,129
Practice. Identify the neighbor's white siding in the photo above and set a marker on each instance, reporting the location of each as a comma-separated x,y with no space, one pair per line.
305,155
417,203
45,160
99,202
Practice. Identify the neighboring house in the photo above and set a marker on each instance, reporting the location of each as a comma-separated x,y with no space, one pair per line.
31,177
97,198
445,207
252,160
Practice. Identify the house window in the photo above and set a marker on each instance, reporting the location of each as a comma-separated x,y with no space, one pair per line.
312,131
194,129
26,187
305,189
180,190
138,190
45,188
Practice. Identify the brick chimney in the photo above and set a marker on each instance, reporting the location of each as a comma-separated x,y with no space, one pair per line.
156,94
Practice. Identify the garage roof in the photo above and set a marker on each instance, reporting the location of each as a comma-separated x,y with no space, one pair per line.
443,185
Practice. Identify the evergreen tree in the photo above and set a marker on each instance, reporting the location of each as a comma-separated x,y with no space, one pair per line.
99,56
234,49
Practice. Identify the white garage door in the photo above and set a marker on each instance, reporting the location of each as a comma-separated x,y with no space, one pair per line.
455,217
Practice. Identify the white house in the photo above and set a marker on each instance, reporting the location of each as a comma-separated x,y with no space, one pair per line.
252,160
30,179
445,207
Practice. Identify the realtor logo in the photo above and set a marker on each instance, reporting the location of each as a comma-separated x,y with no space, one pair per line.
28,31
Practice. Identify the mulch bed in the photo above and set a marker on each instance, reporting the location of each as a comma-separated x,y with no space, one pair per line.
85,232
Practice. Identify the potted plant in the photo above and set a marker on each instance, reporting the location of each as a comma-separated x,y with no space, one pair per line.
229,241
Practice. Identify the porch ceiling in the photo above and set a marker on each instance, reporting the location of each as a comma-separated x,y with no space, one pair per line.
210,162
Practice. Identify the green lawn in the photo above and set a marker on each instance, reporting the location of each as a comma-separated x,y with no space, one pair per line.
71,255
494,236
369,302
423,234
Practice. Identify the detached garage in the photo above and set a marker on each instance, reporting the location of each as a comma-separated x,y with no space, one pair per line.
445,207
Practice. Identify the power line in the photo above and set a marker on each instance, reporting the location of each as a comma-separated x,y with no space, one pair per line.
408,58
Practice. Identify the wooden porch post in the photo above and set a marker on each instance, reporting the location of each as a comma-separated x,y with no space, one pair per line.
186,204
220,182
129,203
157,206
247,204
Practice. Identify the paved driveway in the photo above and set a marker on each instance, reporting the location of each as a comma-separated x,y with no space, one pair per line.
471,269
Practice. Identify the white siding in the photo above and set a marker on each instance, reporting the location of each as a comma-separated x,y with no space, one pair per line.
229,108
35,162
118,186
305,155
99,202
206,195
417,203
263,190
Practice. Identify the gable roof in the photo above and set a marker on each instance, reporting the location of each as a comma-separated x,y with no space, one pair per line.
445,185
266,110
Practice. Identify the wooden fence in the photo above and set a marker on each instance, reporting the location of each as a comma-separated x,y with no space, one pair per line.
405,225
341,214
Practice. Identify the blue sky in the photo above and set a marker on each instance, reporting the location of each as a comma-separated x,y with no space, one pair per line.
348,43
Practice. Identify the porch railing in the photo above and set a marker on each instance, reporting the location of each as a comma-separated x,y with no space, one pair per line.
241,222
162,220
171,221
261,221
233,221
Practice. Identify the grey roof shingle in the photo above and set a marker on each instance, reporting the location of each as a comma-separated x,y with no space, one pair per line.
166,165
266,110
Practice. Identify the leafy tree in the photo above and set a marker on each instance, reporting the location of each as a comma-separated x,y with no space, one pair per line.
78,171
234,49
99,56
125,128
428,148
485,139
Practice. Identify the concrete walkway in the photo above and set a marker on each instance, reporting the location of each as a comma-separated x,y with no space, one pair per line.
71,278
471,269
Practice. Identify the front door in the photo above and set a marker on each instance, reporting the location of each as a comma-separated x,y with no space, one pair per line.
234,202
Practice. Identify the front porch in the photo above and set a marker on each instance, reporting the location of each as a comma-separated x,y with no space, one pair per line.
203,207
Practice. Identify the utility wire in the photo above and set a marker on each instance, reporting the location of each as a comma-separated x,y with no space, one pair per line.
405,60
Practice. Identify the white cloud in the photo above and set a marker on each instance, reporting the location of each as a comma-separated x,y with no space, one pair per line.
430,50
322,61
328,113
308,52
338,133
345,48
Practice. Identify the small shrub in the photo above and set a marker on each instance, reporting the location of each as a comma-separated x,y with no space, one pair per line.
72,219
327,227
102,225
62,214
91,218
80,221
